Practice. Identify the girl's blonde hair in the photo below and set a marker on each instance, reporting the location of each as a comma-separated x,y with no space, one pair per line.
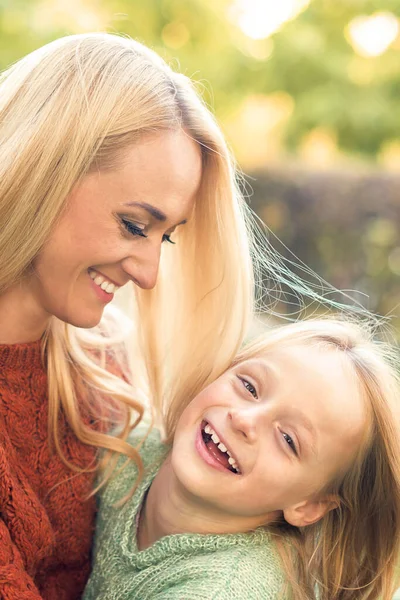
351,553
76,105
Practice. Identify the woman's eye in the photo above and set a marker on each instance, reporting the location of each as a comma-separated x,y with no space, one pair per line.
249,387
167,238
132,228
290,442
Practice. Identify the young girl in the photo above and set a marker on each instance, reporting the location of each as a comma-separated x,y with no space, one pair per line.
282,481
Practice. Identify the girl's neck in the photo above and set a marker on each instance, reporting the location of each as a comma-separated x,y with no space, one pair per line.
168,509
22,320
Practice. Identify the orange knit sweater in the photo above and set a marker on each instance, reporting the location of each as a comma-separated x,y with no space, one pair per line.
46,525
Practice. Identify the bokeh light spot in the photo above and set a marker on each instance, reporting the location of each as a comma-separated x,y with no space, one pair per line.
319,148
372,35
255,129
175,35
259,19
76,15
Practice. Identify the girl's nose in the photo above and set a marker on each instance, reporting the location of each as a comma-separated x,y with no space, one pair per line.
244,422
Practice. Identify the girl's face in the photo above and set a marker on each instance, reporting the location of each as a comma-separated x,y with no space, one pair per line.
114,226
291,421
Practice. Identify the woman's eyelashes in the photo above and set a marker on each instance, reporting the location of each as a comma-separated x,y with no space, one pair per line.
167,238
138,231
132,228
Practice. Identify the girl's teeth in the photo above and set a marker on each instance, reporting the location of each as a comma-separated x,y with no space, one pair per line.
110,288
221,446
104,285
99,280
215,438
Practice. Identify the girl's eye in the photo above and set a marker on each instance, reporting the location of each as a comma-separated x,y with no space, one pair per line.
290,442
132,228
249,387
167,238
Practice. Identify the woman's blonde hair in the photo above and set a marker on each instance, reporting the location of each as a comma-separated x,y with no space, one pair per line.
76,105
351,553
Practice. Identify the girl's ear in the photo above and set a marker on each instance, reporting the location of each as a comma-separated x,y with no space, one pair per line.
310,511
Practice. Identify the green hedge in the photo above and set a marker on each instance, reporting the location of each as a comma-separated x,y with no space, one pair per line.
344,225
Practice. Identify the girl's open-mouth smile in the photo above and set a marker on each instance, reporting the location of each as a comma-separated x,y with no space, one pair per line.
213,451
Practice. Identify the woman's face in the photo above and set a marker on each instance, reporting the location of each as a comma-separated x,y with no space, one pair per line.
114,226
290,421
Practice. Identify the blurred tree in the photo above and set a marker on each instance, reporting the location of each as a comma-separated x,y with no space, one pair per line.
310,58
346,226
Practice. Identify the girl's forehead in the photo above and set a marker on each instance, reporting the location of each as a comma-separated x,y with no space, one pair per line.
318,378
296,351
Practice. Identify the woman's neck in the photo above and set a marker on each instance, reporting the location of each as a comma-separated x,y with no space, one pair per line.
169,509
22,320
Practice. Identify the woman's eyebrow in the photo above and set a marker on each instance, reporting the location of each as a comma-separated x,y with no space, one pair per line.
153,211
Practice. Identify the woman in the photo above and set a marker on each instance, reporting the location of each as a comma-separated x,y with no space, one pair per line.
105,154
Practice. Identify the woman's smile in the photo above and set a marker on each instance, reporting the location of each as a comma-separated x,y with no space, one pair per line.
103,287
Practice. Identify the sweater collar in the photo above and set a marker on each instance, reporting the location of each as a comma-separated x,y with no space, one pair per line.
21,357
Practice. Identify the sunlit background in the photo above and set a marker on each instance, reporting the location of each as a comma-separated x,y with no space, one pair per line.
308,94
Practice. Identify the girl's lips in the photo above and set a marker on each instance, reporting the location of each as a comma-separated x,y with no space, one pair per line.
223,441
206,455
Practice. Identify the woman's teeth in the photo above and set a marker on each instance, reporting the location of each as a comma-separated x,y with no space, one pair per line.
210,431
103,283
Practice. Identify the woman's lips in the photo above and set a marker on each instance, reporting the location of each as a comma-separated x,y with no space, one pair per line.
101,294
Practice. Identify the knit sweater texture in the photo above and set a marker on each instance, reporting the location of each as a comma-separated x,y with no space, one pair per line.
46,524
177,567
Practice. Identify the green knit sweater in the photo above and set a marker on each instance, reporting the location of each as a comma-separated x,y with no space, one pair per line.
177,567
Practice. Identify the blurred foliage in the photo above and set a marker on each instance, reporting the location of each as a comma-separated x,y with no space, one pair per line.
345,226
309,58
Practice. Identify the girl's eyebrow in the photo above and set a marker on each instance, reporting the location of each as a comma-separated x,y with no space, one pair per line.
269,375
153,211
306,424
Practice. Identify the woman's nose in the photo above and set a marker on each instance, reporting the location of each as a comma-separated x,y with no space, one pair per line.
143,269
244,422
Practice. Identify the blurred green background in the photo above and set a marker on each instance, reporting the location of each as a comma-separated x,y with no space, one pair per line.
308,94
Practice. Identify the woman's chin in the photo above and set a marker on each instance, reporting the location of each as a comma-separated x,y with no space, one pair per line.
82,320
